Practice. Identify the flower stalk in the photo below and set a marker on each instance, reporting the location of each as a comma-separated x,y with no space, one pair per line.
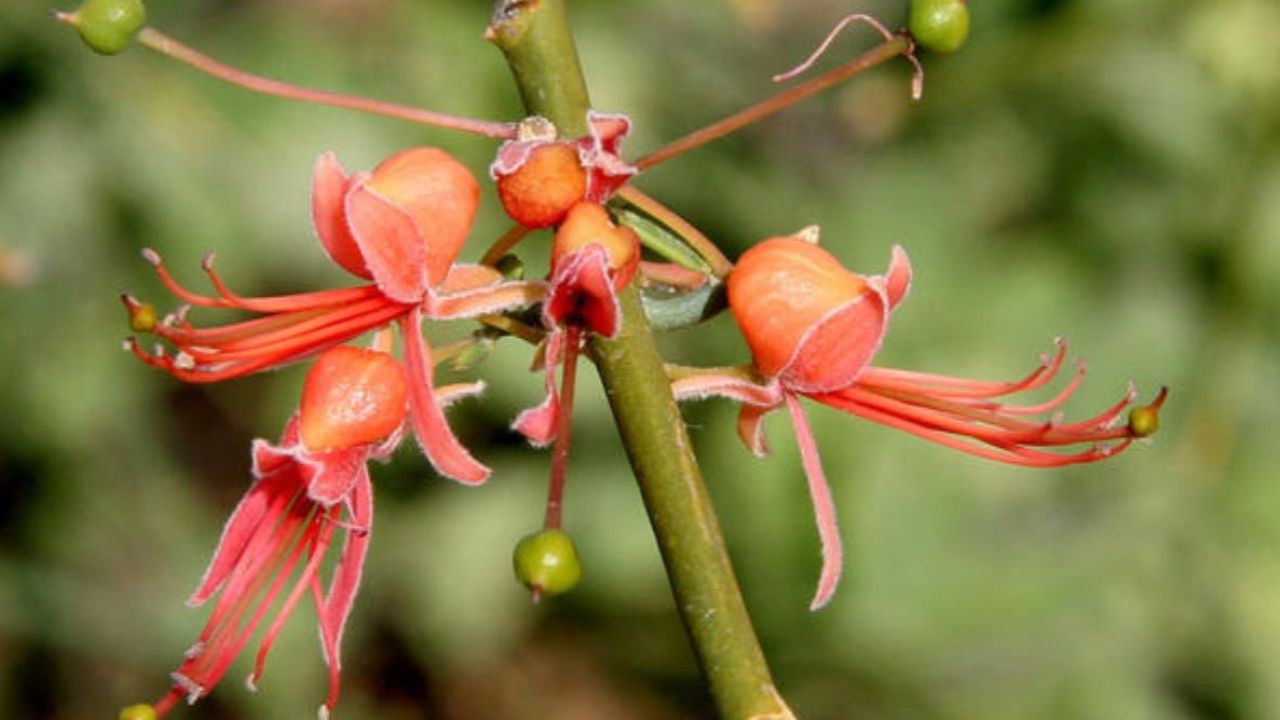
171,47
536,41
887,50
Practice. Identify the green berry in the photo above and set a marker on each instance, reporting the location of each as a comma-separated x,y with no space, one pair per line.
939,25
108,26
547,562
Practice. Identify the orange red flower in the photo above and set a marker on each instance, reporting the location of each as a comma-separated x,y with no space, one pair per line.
814,327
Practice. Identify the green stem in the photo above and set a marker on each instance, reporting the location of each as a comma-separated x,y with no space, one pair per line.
534,35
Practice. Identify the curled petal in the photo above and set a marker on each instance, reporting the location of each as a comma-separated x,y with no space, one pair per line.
487,300
439,444
600,155
751,428
834,351
824,508
331,476
447,395
393,250
328,215
726,384
512,155
896,281
538,424
334,609
468,276
583,294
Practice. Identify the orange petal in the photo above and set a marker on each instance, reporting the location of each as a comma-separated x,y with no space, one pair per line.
392,247
351,397
328,215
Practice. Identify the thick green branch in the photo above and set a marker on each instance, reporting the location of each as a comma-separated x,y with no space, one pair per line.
534,36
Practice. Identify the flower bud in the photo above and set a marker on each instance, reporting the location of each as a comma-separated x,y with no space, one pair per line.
351,397
547,563
108,26
939,25
589,223
141,711
439,193
511,267
549,182
808,321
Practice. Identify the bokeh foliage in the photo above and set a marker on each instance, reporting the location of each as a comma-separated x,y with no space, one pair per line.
1109,172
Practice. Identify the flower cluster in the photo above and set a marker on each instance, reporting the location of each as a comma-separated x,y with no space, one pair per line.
401,227
812,326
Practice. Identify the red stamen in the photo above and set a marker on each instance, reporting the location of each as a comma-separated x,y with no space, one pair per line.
319,535
201,364
270,304
1006,448
306,327
958,387
230,631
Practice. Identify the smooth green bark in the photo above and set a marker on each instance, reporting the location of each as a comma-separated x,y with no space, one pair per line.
534,36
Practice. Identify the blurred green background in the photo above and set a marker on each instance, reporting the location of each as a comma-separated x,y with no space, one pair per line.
1105,171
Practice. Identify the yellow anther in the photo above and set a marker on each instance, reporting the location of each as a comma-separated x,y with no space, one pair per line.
141,711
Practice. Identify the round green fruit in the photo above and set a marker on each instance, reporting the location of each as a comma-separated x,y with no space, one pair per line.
108,26
547,562
939,25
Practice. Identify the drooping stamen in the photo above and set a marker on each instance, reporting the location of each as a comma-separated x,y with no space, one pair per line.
319,546
442,448
917,80
170,47
824,508
899,45
228,631
963,388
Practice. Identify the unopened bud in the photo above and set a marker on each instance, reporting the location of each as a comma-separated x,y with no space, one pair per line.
549,182
589,223
511,267
107,26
